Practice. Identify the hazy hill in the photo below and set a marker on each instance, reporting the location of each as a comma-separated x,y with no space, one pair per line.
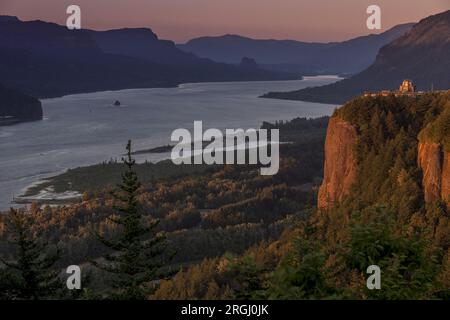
336,57
45,59
15,106
142,43
422,55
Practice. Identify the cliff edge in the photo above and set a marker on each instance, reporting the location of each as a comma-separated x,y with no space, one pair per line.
435,165
340,163
434,157
378,143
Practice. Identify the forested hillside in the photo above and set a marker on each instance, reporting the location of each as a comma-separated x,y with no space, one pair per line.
422,55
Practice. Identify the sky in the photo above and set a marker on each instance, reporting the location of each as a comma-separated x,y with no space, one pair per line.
181,20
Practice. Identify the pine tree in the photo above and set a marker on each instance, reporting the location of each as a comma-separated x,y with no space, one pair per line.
31,275
137,253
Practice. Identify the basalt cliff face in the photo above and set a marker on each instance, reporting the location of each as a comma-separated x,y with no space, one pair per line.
375,146
435,165
445,191
340,167
340,164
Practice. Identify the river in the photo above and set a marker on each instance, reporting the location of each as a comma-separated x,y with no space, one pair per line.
84,129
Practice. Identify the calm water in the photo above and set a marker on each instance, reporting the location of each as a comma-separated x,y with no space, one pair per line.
86,129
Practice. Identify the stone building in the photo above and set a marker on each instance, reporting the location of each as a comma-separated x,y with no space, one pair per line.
407,87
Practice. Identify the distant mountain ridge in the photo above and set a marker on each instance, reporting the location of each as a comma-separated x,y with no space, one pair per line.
143,43
349,56
46,60
421,55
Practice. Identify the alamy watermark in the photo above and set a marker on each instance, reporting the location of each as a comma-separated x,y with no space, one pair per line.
73,21
374,20
74,280
374,280
236,146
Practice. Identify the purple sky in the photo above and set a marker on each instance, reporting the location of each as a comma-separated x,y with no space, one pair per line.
180,20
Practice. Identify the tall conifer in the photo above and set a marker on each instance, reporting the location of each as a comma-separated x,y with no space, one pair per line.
31,274
137,253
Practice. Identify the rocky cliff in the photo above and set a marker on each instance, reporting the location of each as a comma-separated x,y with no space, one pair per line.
445,190
377,144
435,165
340,162
434,155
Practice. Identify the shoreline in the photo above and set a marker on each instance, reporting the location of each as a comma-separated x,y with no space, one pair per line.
43,190
180,85
57,189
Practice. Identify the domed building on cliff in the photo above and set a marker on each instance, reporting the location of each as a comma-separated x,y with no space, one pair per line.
407,87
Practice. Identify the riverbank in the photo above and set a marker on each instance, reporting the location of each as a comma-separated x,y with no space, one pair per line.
69,186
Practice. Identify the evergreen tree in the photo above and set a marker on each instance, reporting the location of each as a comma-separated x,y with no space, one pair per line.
302,274
31,275
409,269
137,254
